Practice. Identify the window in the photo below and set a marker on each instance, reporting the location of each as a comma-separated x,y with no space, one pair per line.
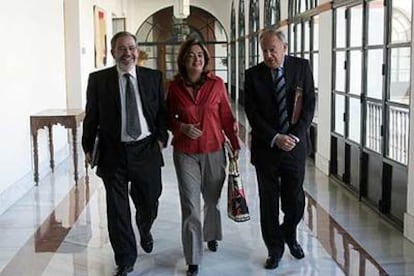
397,101
304,37
254,22
373,74
233,52
271,12
242,50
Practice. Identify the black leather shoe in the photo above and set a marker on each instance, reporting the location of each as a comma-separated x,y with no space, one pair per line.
272,262
212,245
295,249
192,270
122,270
147,243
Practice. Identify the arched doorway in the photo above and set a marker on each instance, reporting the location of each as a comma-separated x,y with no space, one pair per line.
161,34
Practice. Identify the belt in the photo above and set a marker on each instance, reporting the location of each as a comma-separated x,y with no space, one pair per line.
138,142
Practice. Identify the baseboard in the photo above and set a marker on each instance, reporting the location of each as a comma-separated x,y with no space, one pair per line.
409,226
322,163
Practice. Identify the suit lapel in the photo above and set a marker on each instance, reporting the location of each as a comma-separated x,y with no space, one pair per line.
289,73
113,88
143,88
267,79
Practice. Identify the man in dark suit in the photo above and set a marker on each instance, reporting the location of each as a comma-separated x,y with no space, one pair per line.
279,142
126,109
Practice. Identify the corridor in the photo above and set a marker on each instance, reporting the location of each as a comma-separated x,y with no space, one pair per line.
59,228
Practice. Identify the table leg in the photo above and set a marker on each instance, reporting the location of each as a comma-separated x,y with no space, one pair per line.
51,150
75,153
86,171
36,158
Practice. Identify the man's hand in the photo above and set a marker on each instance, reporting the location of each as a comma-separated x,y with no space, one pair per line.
285,142
191,130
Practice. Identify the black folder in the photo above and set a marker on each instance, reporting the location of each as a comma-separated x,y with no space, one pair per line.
95,151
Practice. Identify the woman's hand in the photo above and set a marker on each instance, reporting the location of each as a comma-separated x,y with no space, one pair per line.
191,130
236,154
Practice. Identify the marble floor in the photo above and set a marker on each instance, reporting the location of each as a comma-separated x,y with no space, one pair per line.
59,228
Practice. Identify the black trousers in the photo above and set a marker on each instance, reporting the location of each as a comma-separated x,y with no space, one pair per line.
284,180
141,167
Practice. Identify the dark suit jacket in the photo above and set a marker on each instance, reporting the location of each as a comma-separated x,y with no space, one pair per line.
261,109
103,109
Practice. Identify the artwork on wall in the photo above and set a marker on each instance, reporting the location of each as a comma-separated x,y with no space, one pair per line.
100,37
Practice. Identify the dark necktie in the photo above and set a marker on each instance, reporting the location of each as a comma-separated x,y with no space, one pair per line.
133,127
280,85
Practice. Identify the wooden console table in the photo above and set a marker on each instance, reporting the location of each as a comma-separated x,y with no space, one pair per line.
69,118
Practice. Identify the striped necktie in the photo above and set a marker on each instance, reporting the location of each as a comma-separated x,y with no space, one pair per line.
133,127
280,87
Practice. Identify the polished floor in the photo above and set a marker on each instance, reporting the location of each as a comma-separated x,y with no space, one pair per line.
59,228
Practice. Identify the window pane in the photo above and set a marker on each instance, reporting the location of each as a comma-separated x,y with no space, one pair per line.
355,72
398,134
356,26
400,75
306,30
316,68
340,71
376,22
316,33
339,113
401,21
298,38
374,73
354,115
242,63
302,5
373,138
233,70
291,38
241,18
340,28
315,116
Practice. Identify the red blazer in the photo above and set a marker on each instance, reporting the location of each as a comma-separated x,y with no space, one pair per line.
211,109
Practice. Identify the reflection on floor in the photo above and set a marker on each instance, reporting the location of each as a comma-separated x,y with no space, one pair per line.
59,228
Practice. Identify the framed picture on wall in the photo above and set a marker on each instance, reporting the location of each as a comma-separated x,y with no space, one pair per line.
101,48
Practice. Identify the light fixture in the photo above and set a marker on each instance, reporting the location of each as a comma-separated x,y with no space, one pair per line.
181,9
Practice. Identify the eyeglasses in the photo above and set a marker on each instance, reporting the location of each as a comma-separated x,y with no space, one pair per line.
125,49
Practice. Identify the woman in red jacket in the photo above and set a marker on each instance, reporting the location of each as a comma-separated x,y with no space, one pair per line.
200,118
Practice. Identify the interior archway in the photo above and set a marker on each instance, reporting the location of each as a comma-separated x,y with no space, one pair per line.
161,34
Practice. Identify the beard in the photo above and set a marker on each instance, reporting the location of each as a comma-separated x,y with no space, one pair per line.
126,64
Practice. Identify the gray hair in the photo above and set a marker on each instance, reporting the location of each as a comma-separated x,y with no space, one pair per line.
122,34
278,33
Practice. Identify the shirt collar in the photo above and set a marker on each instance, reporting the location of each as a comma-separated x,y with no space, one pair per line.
132,72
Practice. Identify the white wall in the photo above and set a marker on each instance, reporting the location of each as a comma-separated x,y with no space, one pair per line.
111,7
322,156
32,78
